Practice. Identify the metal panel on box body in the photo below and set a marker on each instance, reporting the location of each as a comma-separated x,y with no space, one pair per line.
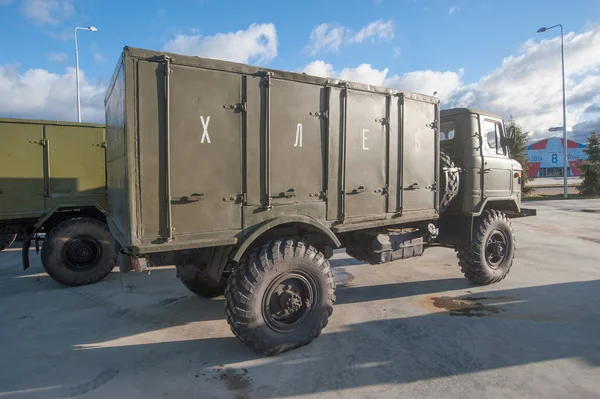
206,139
76,161
117,179
419,152
254,139
334,165
150,97
366,155
22,187
298,139
394,156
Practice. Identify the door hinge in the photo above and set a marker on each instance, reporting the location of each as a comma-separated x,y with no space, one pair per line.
42,142
238,198
323,114
432,125
103,144
239,107
383,121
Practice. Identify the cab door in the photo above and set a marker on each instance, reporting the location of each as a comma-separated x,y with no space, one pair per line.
497,167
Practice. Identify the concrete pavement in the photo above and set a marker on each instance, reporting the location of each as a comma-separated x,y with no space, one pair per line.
411,329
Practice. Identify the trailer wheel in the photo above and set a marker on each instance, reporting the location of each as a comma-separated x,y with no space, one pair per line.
492,249
280,296
78,251
204,286
449,181
6,238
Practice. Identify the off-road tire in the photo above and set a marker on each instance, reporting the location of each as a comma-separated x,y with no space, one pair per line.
6,239
204,286
56,256
446,196
474,263
250,281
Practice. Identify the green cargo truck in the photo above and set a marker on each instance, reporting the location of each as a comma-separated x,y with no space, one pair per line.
247,178
53,181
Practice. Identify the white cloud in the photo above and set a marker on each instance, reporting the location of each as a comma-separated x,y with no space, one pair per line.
50,12
326,37
58,57
397,52
380,29
257,45
445,83
329,37
39,94
528,84
453,9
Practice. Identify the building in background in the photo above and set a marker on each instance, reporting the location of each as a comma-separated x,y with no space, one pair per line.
546,157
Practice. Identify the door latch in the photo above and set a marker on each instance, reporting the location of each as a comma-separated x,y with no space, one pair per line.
358,190
414,186
286,194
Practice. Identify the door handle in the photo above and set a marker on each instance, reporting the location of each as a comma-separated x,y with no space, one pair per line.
188,198
414,186
360,189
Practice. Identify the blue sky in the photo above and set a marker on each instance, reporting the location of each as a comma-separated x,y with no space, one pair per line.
466,39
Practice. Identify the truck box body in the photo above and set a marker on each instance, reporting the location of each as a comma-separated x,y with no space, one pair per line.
200,152
46,165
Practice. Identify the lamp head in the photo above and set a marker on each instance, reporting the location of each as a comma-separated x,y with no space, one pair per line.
541,30
93,28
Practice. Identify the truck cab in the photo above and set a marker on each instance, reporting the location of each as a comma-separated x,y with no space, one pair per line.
478,144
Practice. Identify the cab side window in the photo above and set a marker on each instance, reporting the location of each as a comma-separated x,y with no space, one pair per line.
492,138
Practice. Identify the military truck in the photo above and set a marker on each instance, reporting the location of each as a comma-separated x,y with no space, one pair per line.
247,178
53,184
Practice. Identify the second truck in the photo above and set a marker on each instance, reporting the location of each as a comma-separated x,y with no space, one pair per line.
248,178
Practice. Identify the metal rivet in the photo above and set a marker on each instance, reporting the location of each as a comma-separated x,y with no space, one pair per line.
310,195
231,198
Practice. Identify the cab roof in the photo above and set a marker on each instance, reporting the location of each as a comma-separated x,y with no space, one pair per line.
461,111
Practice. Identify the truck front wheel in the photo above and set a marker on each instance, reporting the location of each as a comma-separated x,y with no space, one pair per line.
280,296
492,249
78,251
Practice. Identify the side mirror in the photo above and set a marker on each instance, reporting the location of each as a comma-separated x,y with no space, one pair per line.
508,141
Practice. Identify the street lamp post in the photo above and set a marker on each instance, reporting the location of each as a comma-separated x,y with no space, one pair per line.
564,126
91,29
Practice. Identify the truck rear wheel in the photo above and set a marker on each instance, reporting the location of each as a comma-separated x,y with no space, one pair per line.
204,286
78,251
6,238
280,296
492,249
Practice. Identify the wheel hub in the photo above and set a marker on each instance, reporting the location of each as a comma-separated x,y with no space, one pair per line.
288,300
496,248
81,253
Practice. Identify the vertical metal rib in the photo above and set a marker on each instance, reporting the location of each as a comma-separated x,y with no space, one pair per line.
168,148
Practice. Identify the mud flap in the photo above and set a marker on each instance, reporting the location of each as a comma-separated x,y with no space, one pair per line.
25,252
